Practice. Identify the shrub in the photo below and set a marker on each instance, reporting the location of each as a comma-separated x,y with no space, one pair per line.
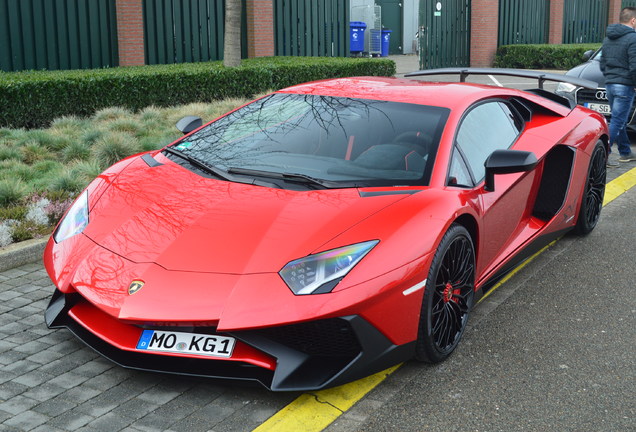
77,150
47,166
70,125
86,170
111,114
6,133
17,170
154,142
50,139
151,114
9,153
33,152
541,56
12,191
25,230
35,98
91,135
13,212
113,147
36,212
125,125
45,174
59,203
66,181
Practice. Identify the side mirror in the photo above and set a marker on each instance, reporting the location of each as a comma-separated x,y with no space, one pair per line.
587,55
189,123
507,162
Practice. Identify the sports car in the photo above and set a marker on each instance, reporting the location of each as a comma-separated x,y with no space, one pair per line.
325,231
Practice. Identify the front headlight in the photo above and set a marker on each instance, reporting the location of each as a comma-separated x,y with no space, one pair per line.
74,221
320,273
566,90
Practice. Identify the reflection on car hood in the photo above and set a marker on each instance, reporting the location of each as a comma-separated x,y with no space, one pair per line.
590,70
182,221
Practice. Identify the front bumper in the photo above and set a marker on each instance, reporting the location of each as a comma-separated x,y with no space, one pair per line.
299,357
598,96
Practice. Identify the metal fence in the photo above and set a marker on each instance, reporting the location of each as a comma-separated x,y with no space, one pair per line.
57,34
584,21
183,31
523,21
444,33
311,28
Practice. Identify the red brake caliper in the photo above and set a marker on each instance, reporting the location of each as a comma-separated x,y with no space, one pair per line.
449,293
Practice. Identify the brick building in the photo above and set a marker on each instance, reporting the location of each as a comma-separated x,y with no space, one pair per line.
67,34
484,24
485,21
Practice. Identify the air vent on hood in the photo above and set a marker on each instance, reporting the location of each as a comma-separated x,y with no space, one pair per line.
150,161
364,194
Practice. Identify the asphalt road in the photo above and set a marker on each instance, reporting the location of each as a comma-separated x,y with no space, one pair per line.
553,349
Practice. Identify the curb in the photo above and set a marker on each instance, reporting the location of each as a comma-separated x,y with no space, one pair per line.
26,252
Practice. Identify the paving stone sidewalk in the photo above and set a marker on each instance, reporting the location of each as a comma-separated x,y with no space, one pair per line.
49,381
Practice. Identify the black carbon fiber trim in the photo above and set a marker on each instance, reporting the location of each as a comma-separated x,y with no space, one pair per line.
309,356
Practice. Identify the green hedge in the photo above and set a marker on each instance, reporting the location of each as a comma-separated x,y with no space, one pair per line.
35,98
542,56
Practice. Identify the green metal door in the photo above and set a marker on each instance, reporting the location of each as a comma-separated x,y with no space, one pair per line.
584,21
311,28
523,21
444,33
60,34
183,31
392,16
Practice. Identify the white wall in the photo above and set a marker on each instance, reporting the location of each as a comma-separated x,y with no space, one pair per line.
362,10
411,22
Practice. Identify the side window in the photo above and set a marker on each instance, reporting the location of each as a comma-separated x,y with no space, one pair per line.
459,174
487,127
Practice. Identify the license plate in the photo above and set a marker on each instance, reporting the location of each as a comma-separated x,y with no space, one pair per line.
602,108
186,343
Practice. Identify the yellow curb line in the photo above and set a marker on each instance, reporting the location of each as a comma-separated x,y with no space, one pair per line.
313,412
619,186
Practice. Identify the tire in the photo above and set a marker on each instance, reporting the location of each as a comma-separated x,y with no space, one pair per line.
592,201
448,296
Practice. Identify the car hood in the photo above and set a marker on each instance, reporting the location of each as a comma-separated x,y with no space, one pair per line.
590,70
182,221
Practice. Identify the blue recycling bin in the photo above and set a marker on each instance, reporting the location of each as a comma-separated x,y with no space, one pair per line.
386,38
357,36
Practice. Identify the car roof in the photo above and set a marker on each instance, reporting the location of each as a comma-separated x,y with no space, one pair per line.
442,94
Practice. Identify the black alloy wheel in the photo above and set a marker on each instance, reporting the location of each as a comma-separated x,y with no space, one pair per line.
448,296
592,202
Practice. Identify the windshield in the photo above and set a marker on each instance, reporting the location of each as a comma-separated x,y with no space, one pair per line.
328,141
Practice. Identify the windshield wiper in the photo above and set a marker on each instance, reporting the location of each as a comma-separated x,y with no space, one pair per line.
304,178
201,165
290,177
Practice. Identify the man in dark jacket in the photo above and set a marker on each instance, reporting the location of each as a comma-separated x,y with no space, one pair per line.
618,63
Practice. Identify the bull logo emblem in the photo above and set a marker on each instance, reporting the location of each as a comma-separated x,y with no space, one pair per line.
135,286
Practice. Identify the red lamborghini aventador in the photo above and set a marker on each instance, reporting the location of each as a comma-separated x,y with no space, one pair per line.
325,231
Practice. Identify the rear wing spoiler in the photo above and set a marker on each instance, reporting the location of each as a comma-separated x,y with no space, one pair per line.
538,75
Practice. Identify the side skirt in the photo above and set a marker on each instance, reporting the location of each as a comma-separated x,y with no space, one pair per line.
535,246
